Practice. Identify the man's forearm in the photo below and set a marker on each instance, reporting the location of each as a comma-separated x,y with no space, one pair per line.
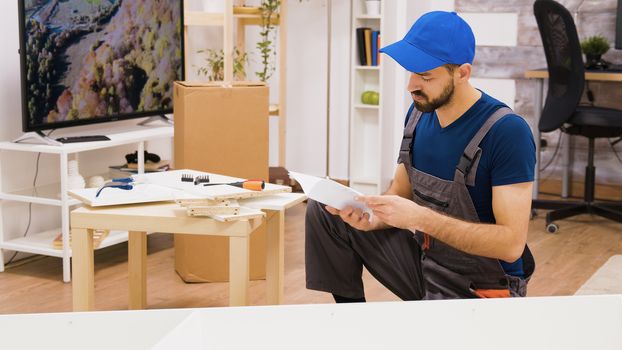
489,240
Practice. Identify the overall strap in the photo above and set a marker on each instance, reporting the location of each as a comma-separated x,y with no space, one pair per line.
409,132
467,166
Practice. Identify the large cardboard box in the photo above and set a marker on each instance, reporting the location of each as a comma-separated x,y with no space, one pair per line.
222,130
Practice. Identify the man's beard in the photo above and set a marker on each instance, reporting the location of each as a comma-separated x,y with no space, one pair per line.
428,106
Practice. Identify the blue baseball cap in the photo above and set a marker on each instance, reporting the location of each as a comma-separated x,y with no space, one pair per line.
436,38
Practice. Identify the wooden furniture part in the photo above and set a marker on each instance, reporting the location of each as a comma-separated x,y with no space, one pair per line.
561,322
239,17
170,217
42,242
540,75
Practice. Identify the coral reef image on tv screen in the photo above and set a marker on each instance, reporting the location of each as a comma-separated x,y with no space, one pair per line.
90,59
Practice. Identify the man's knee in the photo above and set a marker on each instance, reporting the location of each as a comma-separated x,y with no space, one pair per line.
314,206
318,219
315,211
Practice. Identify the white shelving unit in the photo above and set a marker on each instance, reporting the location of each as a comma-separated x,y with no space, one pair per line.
372,152
56,194
364,119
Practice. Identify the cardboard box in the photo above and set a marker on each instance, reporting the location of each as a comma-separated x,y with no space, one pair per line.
222,130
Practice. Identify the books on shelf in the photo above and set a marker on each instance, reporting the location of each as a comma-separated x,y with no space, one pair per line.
368,60
360,44
368,44
374,47
98,237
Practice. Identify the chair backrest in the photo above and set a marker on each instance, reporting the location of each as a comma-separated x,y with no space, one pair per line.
564,63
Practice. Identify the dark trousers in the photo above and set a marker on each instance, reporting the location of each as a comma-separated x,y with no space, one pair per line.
335,254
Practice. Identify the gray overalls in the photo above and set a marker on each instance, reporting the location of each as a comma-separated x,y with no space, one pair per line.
413,266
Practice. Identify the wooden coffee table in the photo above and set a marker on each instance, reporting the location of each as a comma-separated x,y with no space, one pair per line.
171,218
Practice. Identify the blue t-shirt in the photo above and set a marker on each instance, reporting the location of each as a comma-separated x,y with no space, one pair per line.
508,154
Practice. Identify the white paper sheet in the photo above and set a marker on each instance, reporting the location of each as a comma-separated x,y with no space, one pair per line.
141,193
167,186
172,179
329,192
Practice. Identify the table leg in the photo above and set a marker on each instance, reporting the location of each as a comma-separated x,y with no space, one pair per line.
137,265
566,164
83,284
537,110
275,256
238,270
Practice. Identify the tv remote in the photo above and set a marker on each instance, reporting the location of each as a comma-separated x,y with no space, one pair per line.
86,138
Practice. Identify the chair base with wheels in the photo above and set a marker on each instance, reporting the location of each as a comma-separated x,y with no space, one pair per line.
565,209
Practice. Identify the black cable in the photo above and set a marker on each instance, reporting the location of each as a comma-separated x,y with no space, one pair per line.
34,187
559,142
615,152
553,161
612,144
590,94
547,176
29,207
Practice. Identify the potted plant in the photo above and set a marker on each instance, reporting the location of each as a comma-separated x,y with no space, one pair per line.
215,65
593,48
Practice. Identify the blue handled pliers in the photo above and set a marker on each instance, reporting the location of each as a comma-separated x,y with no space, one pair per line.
125,183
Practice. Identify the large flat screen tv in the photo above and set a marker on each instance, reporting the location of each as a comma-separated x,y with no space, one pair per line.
92,61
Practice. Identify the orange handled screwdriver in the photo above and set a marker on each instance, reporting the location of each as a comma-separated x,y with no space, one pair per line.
254,185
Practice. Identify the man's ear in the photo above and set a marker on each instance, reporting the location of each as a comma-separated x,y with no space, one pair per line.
464,72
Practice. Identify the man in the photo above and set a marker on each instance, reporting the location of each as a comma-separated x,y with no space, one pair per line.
454,221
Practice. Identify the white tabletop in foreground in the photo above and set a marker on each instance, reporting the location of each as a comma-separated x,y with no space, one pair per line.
578,322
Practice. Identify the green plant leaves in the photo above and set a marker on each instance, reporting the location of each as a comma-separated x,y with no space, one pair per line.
215,69
595,45
268,11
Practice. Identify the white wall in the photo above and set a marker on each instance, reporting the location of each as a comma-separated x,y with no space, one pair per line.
339,90
493,29
306,86
503,90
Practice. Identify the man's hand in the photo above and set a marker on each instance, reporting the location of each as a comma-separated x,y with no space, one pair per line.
400,186
389,211
355,218
396,211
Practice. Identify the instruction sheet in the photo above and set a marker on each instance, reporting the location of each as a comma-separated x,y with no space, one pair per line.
329,192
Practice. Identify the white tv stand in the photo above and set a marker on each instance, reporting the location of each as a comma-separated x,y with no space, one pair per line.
41,243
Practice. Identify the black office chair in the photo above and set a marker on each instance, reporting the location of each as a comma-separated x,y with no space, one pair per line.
562,110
